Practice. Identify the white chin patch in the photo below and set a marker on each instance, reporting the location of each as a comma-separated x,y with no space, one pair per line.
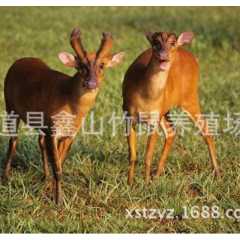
164,66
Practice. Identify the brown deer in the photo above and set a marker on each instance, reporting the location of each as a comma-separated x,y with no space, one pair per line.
162,77
32,86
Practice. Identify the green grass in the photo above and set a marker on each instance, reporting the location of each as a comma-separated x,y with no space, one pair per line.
96,193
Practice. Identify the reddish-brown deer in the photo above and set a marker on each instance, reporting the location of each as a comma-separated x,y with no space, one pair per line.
163,77
31,86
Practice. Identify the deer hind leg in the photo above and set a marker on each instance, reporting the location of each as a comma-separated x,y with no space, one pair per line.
169,133
152,139
201,123
43,149
10,153
132,145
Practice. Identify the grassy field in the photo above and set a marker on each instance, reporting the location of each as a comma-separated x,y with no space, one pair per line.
96,193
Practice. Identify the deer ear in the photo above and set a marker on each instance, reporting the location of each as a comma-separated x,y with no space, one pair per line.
149,36
115,59
67,59
185,38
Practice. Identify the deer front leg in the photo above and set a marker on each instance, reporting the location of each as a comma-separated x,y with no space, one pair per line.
43,148
152,139
55,161
64,147
169,133
132,153
65,143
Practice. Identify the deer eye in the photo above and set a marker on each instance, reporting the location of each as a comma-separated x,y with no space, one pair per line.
101,66
171,42
83,69
157,47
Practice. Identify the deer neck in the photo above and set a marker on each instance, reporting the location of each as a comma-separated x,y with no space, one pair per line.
155,80
83,98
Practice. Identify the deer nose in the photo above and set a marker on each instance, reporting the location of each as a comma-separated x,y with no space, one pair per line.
163,55
91,84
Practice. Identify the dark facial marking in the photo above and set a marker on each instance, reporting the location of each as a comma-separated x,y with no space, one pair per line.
91,71
162,42
163,39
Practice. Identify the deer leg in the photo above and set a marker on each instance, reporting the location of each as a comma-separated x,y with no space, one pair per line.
10,154
43,148
152,139
201,123
169,139
64,147
132,153
53,157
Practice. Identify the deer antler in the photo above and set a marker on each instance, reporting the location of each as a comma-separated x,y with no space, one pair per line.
76,43
106,45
